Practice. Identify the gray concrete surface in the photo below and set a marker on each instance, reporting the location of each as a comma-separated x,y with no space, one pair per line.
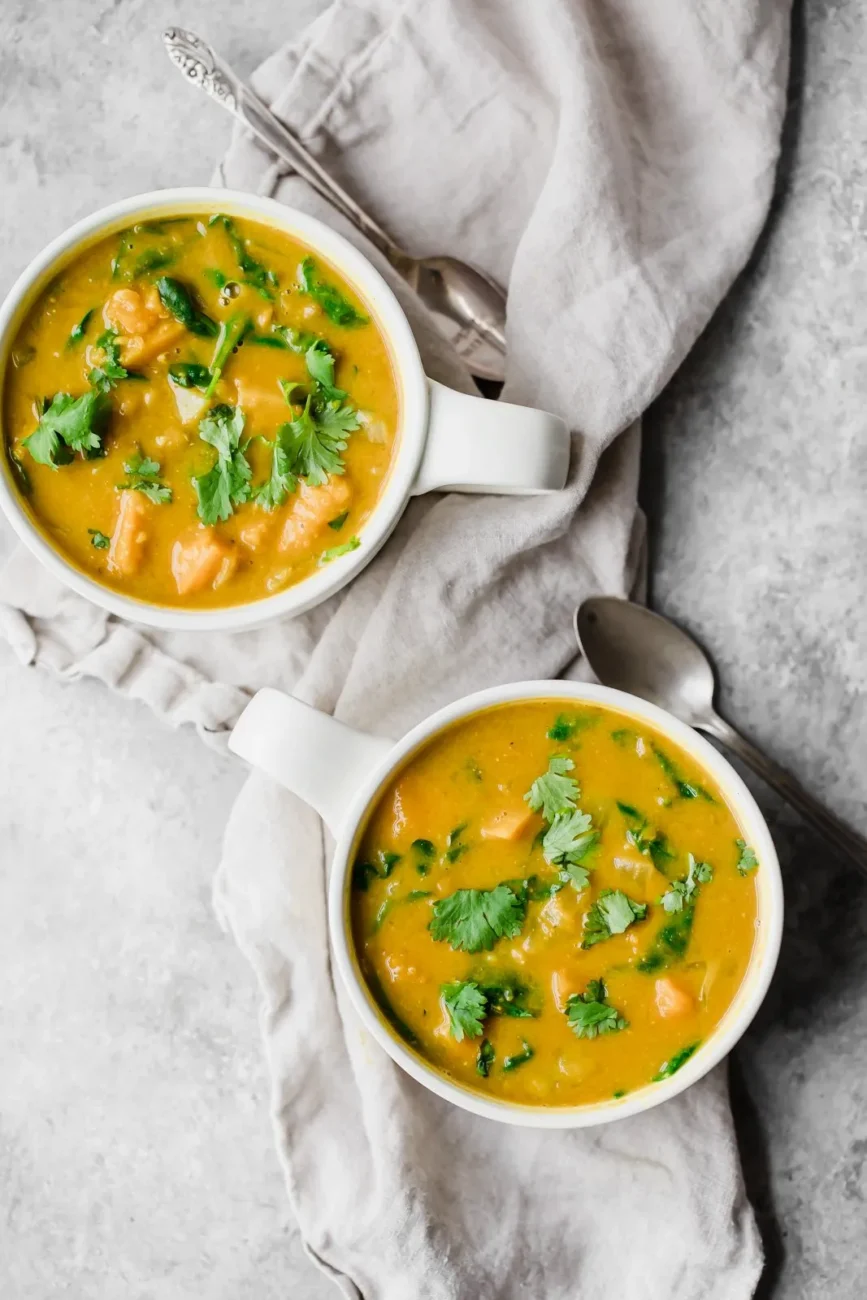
135,1152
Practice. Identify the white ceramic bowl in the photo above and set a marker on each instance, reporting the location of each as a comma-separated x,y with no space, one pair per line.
446,439
341,773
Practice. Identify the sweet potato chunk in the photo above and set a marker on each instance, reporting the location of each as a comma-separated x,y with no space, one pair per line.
507,825
312,509
672,1000
130,534
139,348
201,559
127,312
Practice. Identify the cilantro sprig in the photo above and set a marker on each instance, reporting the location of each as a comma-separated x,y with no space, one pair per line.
682,893
69,425
143,475
569,836
747,860
227,483
591,1014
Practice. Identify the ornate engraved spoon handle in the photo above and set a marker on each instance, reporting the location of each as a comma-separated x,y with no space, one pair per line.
203,67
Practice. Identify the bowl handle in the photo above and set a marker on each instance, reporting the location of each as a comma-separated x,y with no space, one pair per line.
476,445
318,758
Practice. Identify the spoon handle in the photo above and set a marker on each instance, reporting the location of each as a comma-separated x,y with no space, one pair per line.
203,67
834,830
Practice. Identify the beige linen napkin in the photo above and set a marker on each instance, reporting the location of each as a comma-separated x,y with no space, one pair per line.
613,162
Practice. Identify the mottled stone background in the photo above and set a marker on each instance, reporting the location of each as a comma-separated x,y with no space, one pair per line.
135,1152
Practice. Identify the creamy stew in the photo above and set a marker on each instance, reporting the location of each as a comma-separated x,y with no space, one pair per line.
199,411
553,905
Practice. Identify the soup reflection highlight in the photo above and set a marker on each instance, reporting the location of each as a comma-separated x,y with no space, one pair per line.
553,904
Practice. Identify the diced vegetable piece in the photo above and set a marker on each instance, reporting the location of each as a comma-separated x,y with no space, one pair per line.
191,403
672,1000
127,312
130,536
201,559
263,407
311,510
141,348
506,825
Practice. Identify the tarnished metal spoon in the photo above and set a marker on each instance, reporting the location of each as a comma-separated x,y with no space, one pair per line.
633,649
467,305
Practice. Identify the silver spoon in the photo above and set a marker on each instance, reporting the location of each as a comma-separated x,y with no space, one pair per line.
469,308
633,649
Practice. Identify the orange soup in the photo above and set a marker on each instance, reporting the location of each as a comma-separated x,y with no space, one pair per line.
200,412
553,904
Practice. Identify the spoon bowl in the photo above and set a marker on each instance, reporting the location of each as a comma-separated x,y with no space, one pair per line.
631,648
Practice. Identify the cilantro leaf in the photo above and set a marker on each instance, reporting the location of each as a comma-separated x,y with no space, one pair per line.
336,307
68,425
681,892
335,552
554,793
282,482
747,860
227,483
320,366
485,1058
569,836
99,540
103,378
590,1014
472,920
143,476
685,789
612,913
674,1063
314,450
467,1007
506,998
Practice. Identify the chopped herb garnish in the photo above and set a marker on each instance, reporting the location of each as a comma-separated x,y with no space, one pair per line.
620,1092
282,481
624,736
467,1007
472,920
674,1063
227,483
612,913
178,300
681,892
103,378
425,851
641,836
566,724
144,476
77,333
255,274
590,1014
685,789
747,860
189,374
506,998
335,552
336,307
569,838
414,896
316,438
555,792
338,522
320,366
68,425
364,871
485,1058
455,845
519,1058
99,540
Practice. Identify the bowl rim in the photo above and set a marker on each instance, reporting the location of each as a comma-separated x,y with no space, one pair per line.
740,1012
390,318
